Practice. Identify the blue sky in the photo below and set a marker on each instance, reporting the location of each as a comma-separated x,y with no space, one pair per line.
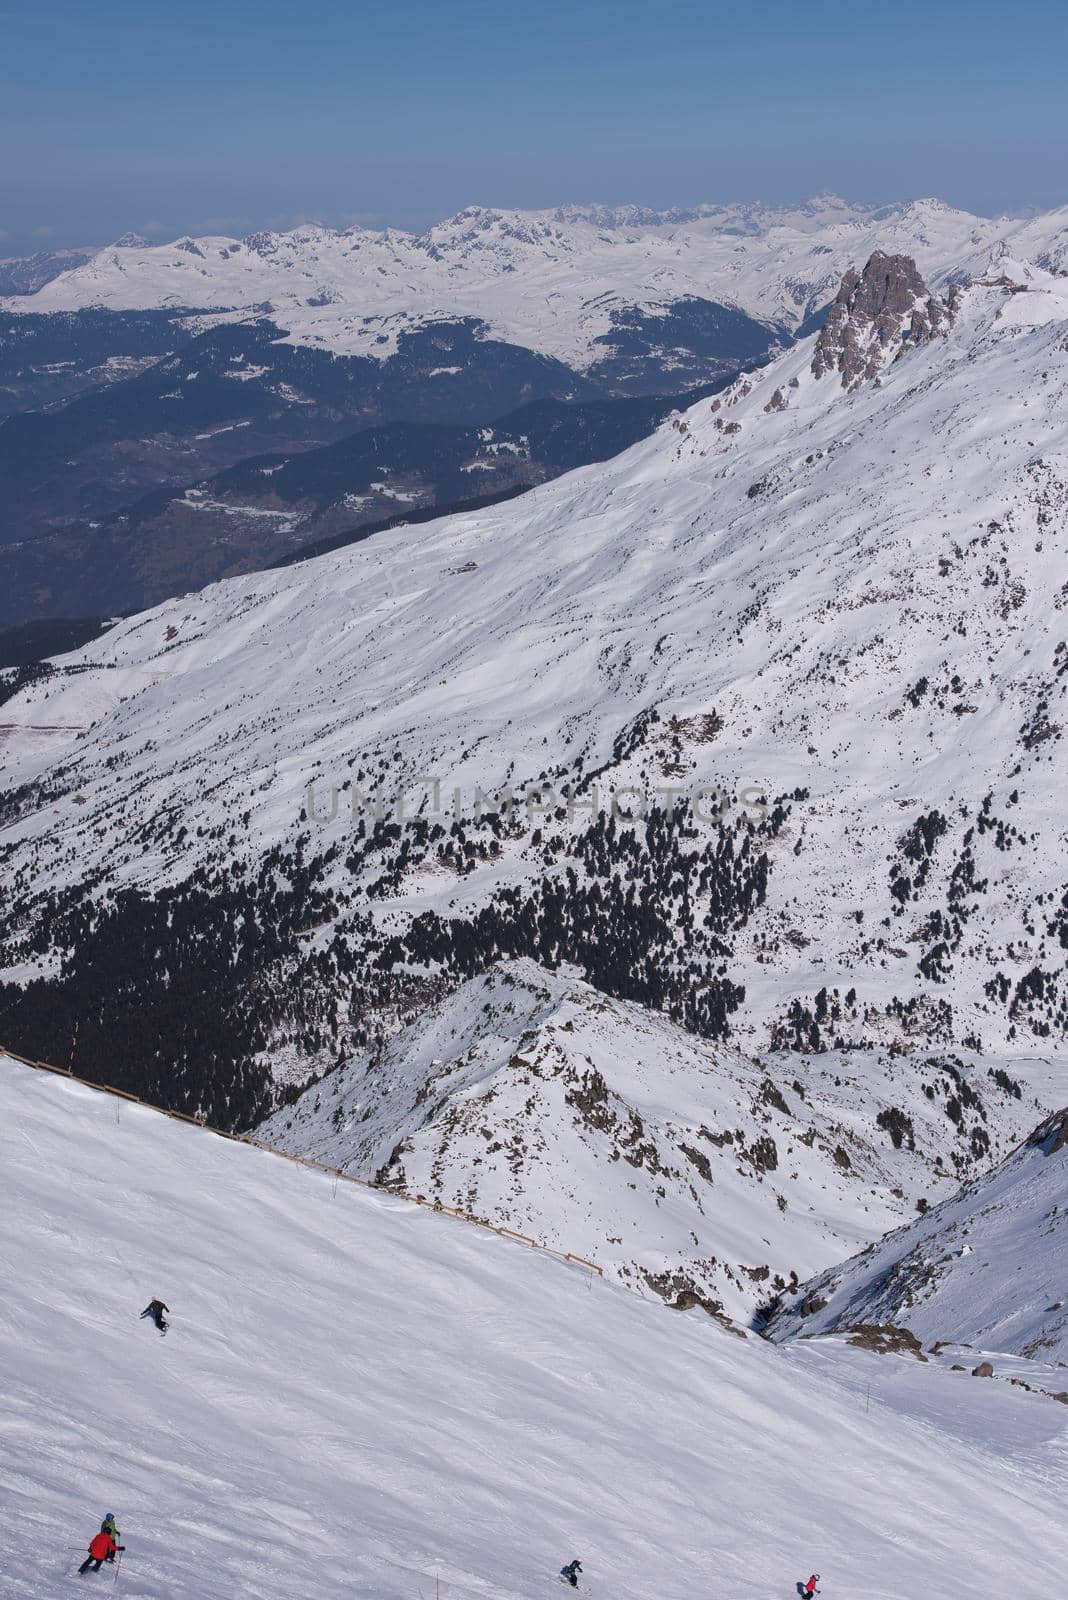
189,116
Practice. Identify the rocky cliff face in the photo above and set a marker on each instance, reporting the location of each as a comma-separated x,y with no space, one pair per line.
876,314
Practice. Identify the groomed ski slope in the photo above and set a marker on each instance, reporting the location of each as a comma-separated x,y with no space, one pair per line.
357,1396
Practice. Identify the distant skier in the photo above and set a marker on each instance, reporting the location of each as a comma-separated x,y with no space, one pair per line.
102,1548
108,1527
155,1310
809,1589
570,1573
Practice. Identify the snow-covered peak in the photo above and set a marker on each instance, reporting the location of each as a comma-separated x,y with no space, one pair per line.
555,281
482,228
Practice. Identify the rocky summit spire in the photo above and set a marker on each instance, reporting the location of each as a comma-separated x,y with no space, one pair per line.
875,315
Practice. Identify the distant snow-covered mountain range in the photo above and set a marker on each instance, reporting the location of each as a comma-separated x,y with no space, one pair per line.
561,282
165,409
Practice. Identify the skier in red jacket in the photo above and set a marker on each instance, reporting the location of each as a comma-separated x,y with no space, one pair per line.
102,1548
809,1589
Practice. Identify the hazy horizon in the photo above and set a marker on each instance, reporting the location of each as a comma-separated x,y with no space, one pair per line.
156,234
202,118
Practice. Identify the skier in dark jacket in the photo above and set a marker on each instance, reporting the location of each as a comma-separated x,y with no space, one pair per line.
155,1310
571,1572
101,1549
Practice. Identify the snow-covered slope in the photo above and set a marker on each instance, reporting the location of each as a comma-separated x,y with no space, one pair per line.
26,274
842,608
358,1397
987,1268
558,282
596,1126
842,605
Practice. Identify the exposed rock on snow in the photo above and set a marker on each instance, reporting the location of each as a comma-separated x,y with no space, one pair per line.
683,1168
986,1268
875,315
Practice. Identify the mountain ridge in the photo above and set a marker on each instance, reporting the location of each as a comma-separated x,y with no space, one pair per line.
555,281
752,604
686,1169
977,1271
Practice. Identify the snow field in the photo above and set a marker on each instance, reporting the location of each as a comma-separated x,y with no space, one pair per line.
357,1397
550,281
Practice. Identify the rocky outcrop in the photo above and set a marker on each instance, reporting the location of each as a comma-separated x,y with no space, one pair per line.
876,314
1051,1135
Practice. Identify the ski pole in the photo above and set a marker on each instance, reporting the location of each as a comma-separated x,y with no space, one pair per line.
118,1564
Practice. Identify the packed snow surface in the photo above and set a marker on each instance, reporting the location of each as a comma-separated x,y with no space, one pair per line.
359,1398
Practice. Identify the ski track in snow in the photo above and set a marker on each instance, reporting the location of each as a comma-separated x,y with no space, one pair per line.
357,1397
